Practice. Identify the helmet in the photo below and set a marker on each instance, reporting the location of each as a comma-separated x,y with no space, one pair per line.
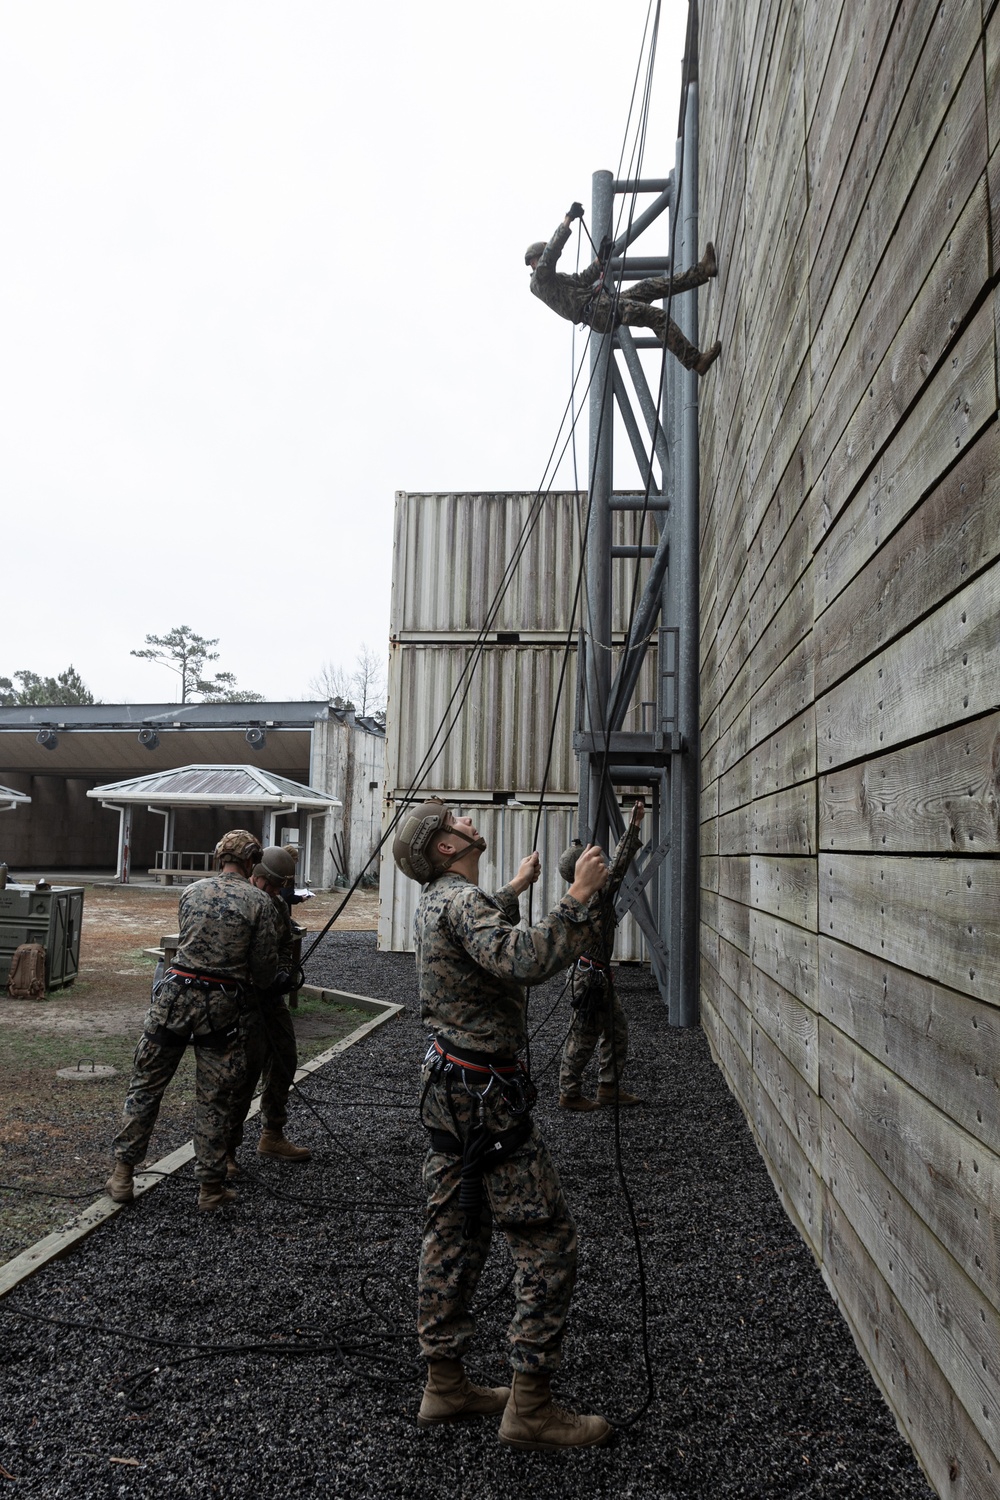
238,845
276,866
533,251
568,859
416,830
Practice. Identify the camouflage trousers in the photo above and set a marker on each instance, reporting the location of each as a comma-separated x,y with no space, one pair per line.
634,311
523,1197
218,1071
269,1040
601,1020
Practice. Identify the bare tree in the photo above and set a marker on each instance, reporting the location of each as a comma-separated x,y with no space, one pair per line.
361,690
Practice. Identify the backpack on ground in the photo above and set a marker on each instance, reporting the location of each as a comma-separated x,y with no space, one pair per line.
27,973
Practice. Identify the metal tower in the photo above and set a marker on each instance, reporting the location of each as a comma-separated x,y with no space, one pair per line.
662,888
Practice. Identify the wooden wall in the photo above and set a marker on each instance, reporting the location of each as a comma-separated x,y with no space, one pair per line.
850,481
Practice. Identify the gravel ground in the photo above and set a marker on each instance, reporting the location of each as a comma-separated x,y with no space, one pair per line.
759,1390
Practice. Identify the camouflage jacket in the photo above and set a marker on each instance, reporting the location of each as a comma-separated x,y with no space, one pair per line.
229,928
473,959
566,294
286,936
625,851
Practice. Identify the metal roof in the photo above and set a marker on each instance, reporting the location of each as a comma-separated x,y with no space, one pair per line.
216,786
9,799
294,715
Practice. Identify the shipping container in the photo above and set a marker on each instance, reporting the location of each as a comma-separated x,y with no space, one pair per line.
456,555
492,726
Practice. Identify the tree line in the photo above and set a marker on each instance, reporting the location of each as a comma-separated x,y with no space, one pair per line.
360,689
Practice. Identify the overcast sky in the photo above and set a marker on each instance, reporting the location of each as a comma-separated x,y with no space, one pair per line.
262,267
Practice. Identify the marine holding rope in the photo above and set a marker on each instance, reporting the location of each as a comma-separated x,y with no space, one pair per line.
487,1162
598,1014
269,1033
589,297
229,940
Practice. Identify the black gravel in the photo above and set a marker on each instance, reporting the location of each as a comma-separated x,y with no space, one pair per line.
759,1390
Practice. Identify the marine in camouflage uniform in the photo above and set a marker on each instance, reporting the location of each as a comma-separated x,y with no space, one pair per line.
269,1042
584,297
472,963
598,1014
229,940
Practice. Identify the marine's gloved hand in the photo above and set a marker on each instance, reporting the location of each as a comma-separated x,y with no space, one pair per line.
575,211
604,253
281,984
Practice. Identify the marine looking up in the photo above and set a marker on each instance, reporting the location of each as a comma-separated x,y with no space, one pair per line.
588,296
486,1159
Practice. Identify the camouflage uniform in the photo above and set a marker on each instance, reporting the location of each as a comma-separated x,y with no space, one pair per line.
472,961
577,296
598,1015
227,931
269,1042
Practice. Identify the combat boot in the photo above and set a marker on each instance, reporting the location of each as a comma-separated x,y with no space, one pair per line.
274,1143
232,1166
450,1396
531,1418
214,1194
607,1093
709,263
119,1186
707,360
576,1101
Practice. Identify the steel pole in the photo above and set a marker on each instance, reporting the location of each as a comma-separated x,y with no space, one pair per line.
598,571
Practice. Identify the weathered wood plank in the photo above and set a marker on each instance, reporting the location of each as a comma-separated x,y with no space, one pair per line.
930,1416
786,952
879,299
949,1179
726,1053
953,409
894,137
734,831
828,43
708,947
774,638
710,908
993,80
938,917
735,968
938,796
787,693
780,551
709,866
734,922
942,672
945,1045
951,536
785,822
792,1030
736,785
786,888
732,1006
734,879
799,1187
788,757
899,362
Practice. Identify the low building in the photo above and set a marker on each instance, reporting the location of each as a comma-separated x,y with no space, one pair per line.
55,756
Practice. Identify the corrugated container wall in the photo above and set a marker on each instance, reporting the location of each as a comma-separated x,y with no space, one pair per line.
486,606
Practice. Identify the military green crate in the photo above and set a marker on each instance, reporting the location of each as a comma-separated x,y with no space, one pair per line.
52,917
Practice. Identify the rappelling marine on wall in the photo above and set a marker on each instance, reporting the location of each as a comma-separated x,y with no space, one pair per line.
590,297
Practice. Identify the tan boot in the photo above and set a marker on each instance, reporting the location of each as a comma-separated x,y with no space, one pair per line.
607,1093
709,263
450,1396
531,1418
576,1101
119,1187
273,1143
708,359
213,1195
232,1167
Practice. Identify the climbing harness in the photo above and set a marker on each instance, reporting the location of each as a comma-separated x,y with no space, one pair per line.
481,1149
214,1038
